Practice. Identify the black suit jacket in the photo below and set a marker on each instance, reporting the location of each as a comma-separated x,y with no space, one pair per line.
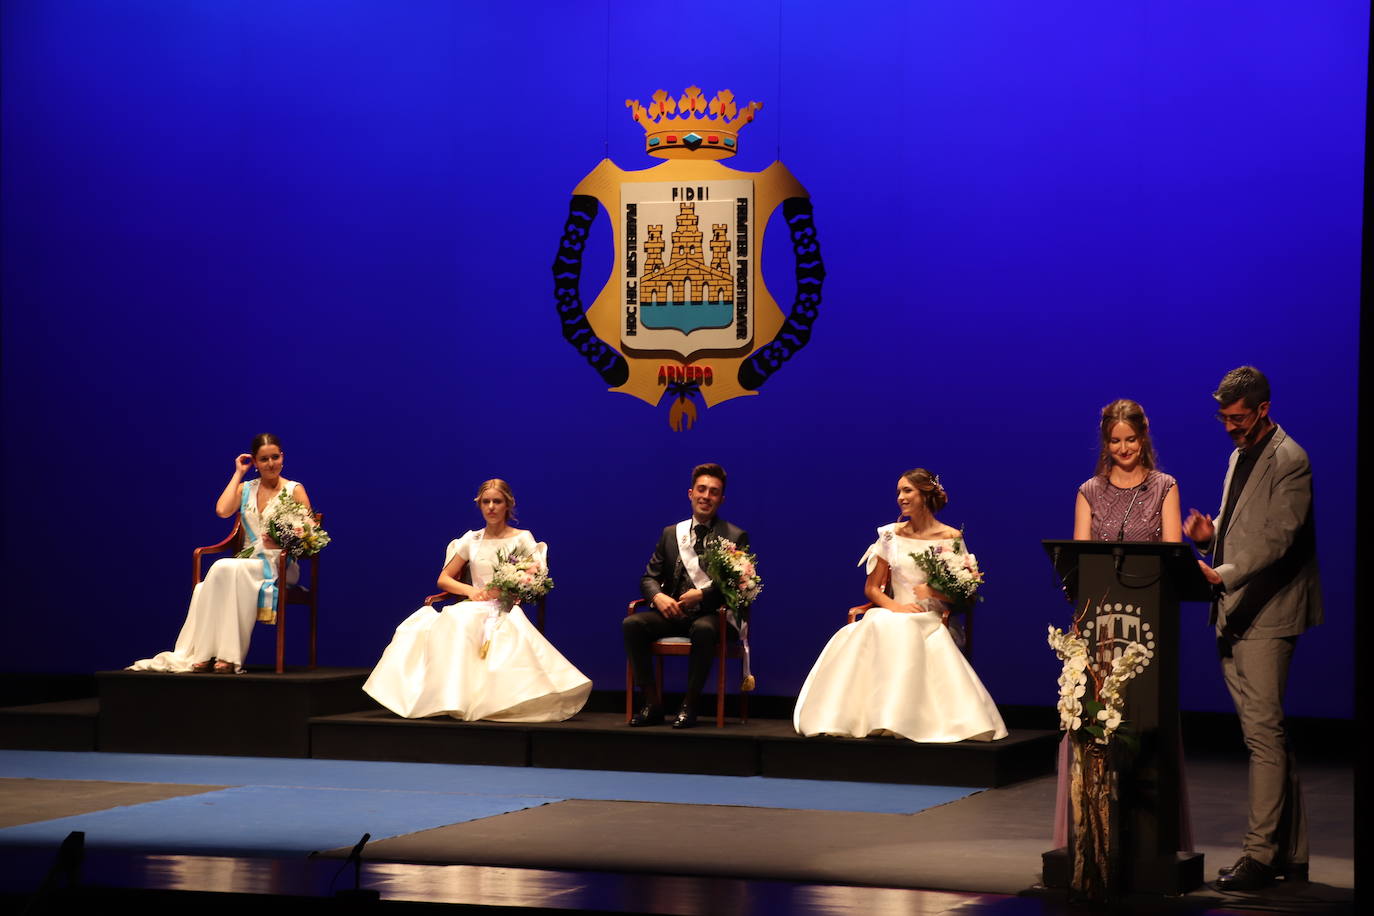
665,572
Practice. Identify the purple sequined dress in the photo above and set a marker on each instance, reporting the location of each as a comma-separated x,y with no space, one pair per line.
1129,514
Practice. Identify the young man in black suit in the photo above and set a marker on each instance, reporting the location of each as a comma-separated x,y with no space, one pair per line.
681,598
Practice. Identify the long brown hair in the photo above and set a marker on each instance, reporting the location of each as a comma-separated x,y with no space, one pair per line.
1124,410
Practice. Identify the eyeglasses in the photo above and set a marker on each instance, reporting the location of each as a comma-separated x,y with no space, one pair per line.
1234,419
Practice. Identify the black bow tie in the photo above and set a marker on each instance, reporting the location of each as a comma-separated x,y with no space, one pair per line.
701,531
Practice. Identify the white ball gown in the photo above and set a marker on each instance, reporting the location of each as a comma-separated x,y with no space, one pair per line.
890,673
434,664
224,606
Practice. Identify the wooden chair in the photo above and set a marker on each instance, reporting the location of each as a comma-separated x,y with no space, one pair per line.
286,594
967,647
682,646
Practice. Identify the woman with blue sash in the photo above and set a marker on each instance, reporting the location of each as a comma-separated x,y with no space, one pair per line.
241,590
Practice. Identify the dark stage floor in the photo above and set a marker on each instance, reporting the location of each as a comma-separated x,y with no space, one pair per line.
603,856
685,856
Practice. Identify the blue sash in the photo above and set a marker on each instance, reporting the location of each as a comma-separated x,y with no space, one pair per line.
267,592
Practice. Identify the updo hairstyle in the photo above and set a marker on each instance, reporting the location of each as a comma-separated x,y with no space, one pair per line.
932,494
500,486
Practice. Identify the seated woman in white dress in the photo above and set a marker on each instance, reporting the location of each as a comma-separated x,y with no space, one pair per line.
897,670
237,591
435,664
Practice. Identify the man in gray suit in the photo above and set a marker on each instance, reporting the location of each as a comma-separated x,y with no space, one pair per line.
1267,592
682,598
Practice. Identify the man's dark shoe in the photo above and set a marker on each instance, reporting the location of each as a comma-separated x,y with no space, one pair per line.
685,719
1296,874
648,715
1247,875
1227,869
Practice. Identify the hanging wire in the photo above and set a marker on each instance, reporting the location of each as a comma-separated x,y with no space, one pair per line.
606,95
780,108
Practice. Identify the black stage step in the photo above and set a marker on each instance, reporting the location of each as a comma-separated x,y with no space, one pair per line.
324,713
763,747
258,714
68,725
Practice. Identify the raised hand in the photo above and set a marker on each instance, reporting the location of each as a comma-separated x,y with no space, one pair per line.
1199,527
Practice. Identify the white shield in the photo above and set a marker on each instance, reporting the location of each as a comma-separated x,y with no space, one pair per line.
687,287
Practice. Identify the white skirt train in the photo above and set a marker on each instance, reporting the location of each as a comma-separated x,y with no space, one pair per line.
898,674
434,666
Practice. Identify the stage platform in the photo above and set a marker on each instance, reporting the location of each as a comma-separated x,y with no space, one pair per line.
258,714
325,714
763,747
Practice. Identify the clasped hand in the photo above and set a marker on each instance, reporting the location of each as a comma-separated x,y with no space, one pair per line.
673,608
924,594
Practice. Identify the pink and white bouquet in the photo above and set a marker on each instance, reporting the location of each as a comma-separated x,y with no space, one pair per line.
951,571
733,571
292,525
519,577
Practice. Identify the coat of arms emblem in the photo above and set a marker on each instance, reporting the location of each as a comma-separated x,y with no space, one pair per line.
685,312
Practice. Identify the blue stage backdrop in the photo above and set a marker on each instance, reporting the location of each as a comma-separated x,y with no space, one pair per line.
335,221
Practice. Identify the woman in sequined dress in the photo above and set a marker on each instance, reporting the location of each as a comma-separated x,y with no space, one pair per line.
1127,499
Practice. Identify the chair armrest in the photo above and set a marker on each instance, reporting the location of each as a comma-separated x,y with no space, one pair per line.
630,609
442,597
235,535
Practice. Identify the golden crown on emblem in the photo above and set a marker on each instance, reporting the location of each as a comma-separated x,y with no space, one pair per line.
690,127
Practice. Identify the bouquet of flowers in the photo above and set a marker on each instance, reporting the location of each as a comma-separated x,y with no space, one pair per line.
292,525
951,571
733,571
519,577
1092,714
1091,697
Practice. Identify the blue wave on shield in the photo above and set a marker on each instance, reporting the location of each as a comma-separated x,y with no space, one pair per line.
687,316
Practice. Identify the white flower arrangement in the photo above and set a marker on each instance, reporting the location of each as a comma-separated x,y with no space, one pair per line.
1096,716
951,571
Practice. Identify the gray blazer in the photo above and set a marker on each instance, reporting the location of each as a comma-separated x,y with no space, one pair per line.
1271,585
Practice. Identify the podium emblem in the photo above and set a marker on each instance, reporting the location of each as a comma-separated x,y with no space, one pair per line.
1113,627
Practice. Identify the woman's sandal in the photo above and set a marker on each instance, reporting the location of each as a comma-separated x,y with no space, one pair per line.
227,668
202,667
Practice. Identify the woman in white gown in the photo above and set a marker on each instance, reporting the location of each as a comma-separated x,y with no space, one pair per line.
237,591
435,663
897,670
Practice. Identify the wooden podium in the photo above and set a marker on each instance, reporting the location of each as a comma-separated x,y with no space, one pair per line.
1132,591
